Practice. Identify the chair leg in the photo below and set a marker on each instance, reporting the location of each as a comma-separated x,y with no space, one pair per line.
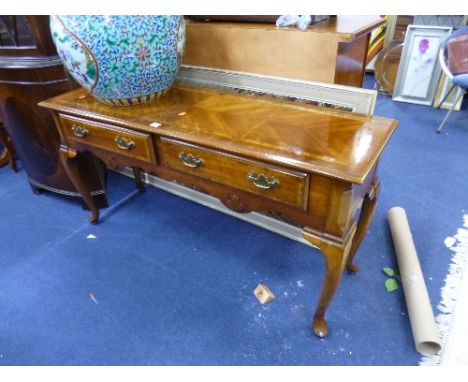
439,129
446,96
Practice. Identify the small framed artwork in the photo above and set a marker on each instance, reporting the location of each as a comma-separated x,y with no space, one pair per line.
419,70
334,96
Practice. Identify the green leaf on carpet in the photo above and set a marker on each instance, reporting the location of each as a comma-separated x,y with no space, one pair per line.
391,285
388,271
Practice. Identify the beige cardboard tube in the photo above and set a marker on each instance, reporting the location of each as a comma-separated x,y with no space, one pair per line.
425,333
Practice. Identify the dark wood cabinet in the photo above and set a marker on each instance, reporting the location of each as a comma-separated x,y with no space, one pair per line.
30,72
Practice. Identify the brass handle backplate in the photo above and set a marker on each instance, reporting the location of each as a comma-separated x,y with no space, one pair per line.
191,160
262,181
80,131
124,143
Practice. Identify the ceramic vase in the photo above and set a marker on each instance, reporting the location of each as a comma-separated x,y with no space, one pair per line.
121,60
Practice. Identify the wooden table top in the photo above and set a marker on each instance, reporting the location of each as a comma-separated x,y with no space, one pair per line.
344,28
308,138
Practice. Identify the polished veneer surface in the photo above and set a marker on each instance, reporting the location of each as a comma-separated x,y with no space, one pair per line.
313,167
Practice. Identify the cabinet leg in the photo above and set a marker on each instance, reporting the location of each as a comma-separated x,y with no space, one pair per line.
8,153
367,212
35,189
68,158
335,260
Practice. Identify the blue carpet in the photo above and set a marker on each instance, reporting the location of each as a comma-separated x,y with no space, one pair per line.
169,282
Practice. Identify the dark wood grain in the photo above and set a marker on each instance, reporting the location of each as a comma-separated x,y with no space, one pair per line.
28,76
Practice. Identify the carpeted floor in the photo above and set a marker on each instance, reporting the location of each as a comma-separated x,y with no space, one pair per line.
169,282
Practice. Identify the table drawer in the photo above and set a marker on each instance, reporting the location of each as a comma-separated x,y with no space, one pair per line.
116,139
269,181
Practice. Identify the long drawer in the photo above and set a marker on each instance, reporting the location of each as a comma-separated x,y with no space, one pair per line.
116,139
270,181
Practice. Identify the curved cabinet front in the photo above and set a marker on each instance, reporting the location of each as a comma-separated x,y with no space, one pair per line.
24,82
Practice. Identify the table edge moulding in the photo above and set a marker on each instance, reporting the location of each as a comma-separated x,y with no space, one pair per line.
314,168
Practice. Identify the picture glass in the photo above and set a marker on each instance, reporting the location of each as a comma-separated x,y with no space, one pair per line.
423,57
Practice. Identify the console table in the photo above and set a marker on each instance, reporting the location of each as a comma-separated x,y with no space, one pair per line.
312,167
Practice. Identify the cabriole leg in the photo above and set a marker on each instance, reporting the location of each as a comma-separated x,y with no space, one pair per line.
365,218
335,260
68,158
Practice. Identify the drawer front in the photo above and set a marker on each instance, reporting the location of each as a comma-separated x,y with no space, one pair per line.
270,181
116,139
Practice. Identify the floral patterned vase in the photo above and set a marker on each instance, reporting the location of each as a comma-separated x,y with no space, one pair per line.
121,60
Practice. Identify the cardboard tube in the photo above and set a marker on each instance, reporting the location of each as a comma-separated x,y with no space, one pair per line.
425,333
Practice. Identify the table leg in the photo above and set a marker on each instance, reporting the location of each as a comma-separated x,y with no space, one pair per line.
367,212
335,259
140,185
68,158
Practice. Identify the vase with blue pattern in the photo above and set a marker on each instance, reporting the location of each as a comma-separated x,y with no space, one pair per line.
121,60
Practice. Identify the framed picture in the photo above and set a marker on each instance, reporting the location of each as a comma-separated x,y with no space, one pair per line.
322,94
419,70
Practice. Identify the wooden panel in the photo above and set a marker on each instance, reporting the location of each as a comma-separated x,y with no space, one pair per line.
28,36
350,63
266,50
107,136
291,187
309,54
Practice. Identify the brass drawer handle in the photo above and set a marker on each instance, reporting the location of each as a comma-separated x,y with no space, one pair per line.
124,143
262,181
191,160
80,131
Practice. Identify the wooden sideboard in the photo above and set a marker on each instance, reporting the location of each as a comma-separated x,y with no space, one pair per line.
332,51
316,168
